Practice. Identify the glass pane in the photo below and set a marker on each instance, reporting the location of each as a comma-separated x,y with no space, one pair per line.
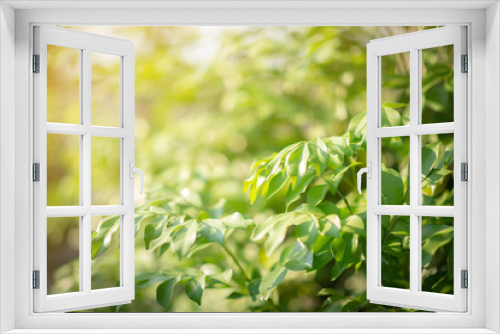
63,84
395,80
105,89
63,249
437,254
437,85
105,252
437,169
395,171
396,251
63,170
105,171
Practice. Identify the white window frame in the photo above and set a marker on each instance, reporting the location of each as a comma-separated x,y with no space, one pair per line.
413,44
86,44
483,21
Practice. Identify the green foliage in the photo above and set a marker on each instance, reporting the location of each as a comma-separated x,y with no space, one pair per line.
291,236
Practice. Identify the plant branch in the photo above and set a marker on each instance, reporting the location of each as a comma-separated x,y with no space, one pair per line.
237,262
335,191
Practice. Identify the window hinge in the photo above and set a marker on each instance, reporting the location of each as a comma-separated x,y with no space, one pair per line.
465,64
36,279
36,172
464,171
465,279
36,63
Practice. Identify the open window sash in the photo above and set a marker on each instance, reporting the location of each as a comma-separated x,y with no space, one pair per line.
85,297
414,296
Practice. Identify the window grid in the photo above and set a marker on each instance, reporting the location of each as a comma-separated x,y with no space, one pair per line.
86,43
415,297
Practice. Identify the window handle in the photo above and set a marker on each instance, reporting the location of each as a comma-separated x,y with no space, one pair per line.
368,171
138,171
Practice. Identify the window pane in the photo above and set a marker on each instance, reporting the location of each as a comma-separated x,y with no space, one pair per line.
437,84
63,85
395,245
395,79
105,252
395,168
105,89
63,249
437,254
105,171
63,170
437,169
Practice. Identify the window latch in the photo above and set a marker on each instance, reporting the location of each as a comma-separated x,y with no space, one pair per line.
133,170
368,171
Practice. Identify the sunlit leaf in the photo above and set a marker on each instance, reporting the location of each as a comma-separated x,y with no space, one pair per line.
214,230
271,281
184,237
316,195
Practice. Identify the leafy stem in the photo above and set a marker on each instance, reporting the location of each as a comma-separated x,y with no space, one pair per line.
335,191
237,262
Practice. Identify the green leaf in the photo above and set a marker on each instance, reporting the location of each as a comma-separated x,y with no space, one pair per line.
194,288
308,232
318,155
296,163
234,220
332,294
428,159
357,132
184,237
164,292
286,219
306,208
138,219
236,295
105,233
330,226
213,230
153,228
352,306
145,280
271,281
339,174
277,182
357,126
278,231
254,289
315,195
163,239
275,238
390,117
434,242
354,224
300,258
293,194
346,247
392,187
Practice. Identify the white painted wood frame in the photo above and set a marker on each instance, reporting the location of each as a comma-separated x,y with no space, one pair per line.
86,44
17,19
414,43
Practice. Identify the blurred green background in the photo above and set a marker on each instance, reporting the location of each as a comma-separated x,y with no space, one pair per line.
210,101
